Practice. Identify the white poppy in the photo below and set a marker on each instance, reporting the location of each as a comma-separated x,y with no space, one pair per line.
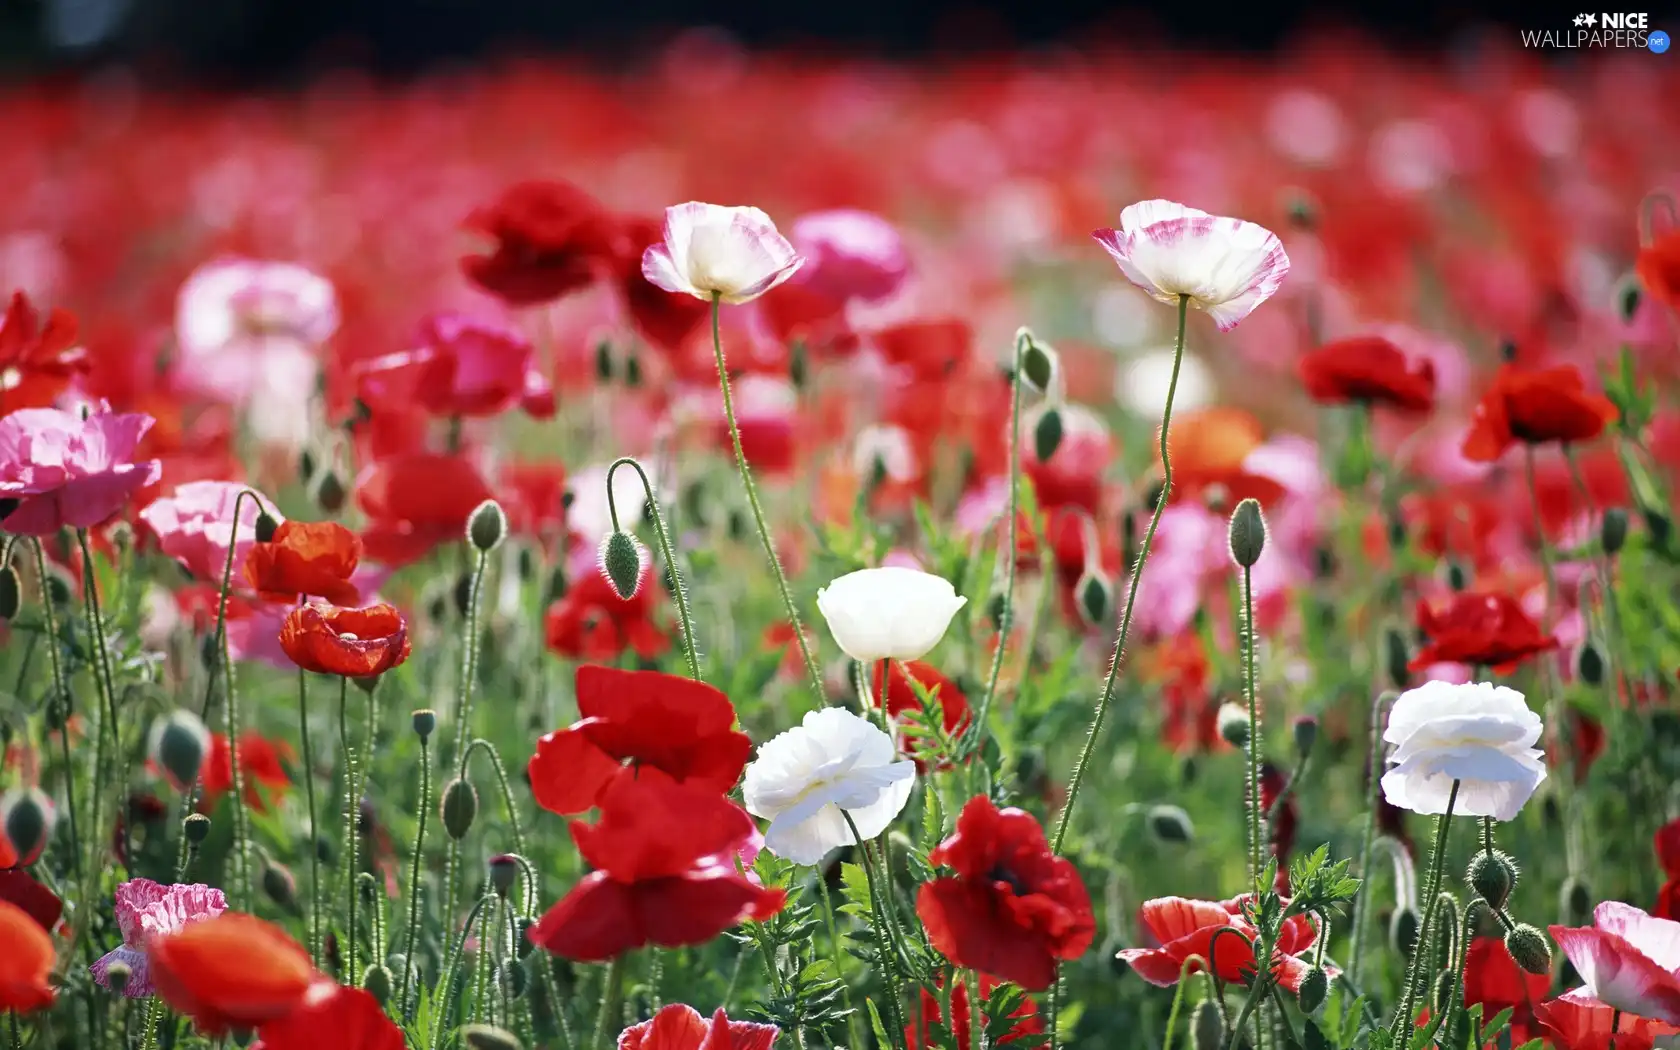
1478,734
734,254
807,780
1226,266
888,613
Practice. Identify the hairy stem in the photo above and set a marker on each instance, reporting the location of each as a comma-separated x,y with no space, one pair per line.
678,592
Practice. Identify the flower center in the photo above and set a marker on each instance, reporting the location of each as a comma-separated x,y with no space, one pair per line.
1000,873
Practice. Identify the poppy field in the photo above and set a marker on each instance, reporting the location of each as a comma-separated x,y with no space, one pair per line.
1068,550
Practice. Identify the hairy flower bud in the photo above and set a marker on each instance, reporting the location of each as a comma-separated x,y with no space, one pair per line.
621,563
1589,663
1171,824
1039,363
514,975
1096,598
459,808
504,871
1441,995
196,828
11,592
1315,985
1207,1027
1047,434
1398,658
1305,730
1403,931
488,1037
28,821
487,526
1493,876
1613,530
378,981
279,885
425,723
1575,902
1233,724
179,744
330,492
1248,533
266,527
1628,295
1458,576
1528,947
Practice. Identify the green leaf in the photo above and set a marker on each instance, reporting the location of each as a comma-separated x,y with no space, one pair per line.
875,1023
854,891
1495,1026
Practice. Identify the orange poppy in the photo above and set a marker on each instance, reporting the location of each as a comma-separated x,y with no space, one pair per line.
26,957
233,971
306,557
355,643
1209,449
336,1016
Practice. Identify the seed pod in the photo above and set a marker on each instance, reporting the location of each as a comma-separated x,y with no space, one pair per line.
488,1037
1047,434
196,828
1528,947
1613,530
28,821
1315,985
1493,876
460,808
1403,931
1589,663
378,982
425,723
1233,725
621,563
179,745
1248,533
487,526
11,592
1171,824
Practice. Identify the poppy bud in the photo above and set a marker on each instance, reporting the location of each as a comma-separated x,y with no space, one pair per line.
330,492
1324,563
632,371
266,527
1207,1028
279,885
460,808
1589,664
306,462
1396,531
461,594
377,981
1403,931
1171,824
1315,984
621,563
522,943
996,606
1507,349
117,973
1613,530
1047,434
1096,598
513,975
1458,577
11,593
1305,730
1442,993
1398,657
1039,363
58,588
196,828
799,365
556,587
504,869
1492,876
603,361
487,526
488,1037
1248,533
1628,296
28,821
1528,947
1574,902
425,723
179,744
1233,725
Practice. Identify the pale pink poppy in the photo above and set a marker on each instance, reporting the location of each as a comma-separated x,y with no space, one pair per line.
1628,960
1225,266
849,254
711,251
241,325
1577,1021
194,523
148,909
69,469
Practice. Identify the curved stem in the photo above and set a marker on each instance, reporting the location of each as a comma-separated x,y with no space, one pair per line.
1247,640
1131,596
443,1022
61,696
678,591
1191,964
309,800
612,985
463,723
1437,861
414,873
884,953
758,511
1367,840
502,781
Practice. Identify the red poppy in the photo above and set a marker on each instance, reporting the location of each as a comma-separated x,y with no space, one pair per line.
306,557
336,1016
654,721
233,971
1535,406
682,1027
1368,369
1577,1021
1284,827
25,963
462,366
19,889
591,622
260,766
1026,1017
1493,978
1667,844
1184,927
902,701
1488,630
665,858
415,502
36,362
1658,267
665,320
1191,720
931,350
1013,908
533,497
355,643
550,238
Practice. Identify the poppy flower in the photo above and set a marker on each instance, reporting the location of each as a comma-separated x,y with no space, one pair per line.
66,470
462,366
1013,908
1282,829
1535,406
1577,1021
665,858
1367,369
1026,1017
549,238
336,1016
930,349
1667,843
901,700
1210,449
1493,979
194,523
26,963
714,251
1626,959
1184,927
591,622
150,909
37,361
414,502
1490,630
1222,265
19,888
1658,268
232,971
682,728
665,320
682,1027
260,766
306,558
355,643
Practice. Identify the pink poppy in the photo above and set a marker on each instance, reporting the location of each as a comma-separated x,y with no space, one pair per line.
146,909
67,469
1577,1021
1629,960
463,366
192,526
1183,927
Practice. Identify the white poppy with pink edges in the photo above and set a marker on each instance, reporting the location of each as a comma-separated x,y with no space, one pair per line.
1627,959
1225,266
712,251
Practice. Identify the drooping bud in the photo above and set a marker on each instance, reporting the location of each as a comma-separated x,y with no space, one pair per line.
1315,985
522,943
1628,296
196,828
11,593
1442,993
1403,931
1305,729
28,821
1047,434
330,492
118,974
487,526
996,606
1528,947
632,371
1398,658
1589,663
1248,533
488,1037
1096,598
1171,824
555,588
1207,1028
799,365
504,871
1574,901
1458,576
1039,363
279,885
179,743
425,723
378,981
1613,530
620,558
1493,876
1397,533
459,808
603,361
266,527
1233,724
513,974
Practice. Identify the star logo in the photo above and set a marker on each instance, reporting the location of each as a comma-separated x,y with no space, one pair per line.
1580,20
1592,20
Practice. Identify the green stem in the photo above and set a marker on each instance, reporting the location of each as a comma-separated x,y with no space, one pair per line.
105,681
502,781
1247,640
884,952
414,876
758,511
463,722
448,993
837,956
678,592
1361,911
62,697
309,800
352,808
1437,862
1131,596
612,987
